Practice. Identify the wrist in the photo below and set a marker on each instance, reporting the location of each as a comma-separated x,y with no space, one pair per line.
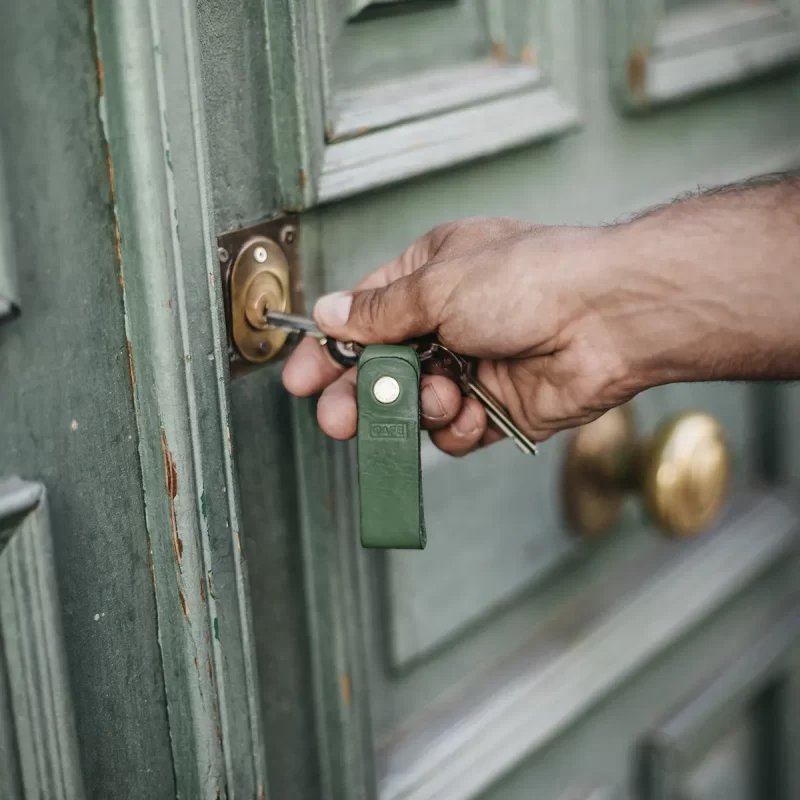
705,291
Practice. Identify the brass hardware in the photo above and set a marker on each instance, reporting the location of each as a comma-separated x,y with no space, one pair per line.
682,473
259,273
259,281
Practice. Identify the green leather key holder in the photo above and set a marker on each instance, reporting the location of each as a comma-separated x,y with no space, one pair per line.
389,471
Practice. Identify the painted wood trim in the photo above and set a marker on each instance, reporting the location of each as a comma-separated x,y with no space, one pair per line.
9,295
151,108
296,52
657,57
416,148
32,653
441,91
393,132
333,602
666,751
527,710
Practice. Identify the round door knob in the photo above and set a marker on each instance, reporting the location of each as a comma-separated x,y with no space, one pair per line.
682,472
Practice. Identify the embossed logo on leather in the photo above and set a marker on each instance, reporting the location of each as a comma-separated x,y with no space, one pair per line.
388,430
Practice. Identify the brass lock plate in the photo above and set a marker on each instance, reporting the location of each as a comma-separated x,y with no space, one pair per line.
258,271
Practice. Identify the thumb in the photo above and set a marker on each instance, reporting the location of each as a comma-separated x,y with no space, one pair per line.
388,314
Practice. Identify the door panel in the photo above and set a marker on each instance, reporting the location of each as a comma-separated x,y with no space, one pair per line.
38,742
508,659
471,79
665,51
734,738
520,701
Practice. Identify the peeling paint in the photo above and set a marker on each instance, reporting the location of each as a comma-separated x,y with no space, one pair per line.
499,51
216,628
171,480
117,239
183,604
203,504
302,179
131,370
636,74
168,154
211,583
528,55
202,589
261,791
239,541
210,670
345,688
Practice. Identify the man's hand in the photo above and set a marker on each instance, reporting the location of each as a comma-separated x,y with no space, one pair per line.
528,301
568,322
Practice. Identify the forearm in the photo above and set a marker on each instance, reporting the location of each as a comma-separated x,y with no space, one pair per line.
708,288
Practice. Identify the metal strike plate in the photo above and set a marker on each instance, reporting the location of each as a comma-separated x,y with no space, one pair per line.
258,270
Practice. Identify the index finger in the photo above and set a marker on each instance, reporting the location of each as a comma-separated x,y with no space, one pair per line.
310,369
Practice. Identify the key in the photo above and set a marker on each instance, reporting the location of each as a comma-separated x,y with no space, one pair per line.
344,353
436,359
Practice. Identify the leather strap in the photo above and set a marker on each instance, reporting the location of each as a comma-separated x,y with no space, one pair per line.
389,471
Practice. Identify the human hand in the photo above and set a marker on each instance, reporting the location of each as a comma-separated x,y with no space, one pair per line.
537,305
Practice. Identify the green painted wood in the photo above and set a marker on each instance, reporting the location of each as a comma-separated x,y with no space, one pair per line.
601,751
661,52
234,64
9,299
305,99
611,167
66,415
274,550
153,115
744,693
32,651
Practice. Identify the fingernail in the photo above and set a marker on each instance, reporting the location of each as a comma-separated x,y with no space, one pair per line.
332,310
431,404
466,423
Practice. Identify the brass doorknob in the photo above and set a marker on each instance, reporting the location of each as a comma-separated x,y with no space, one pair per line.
682,472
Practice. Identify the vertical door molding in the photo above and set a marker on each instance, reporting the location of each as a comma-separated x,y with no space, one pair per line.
152,113
336,141
38,742
657,55
9,299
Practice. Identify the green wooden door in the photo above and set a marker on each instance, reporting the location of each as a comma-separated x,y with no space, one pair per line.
208,624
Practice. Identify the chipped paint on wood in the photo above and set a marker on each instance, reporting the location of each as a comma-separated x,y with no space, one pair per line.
131,370
345,688
302,179
211,583
498,51
528,55
183,604
636,75
171,481
202,589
